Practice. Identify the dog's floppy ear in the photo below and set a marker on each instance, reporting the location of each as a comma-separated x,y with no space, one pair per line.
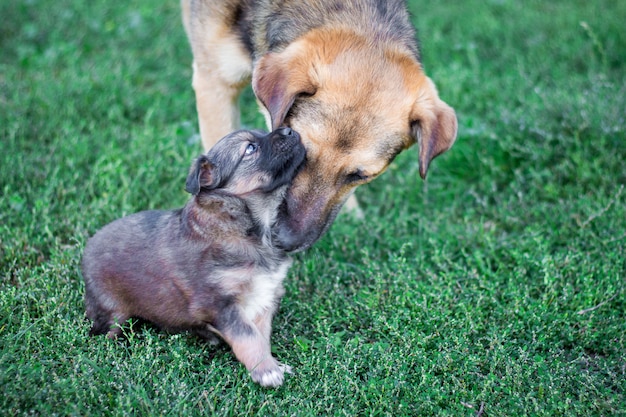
433,125
201,175
277,81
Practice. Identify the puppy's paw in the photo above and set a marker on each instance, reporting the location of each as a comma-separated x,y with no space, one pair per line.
271,376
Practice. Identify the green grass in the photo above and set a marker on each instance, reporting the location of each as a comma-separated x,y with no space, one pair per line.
498,282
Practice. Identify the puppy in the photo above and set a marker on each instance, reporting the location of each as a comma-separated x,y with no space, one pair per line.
345,74
210,266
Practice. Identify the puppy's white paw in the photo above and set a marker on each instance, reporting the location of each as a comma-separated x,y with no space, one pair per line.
273,376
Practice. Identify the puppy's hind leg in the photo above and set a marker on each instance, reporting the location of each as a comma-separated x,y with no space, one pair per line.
101,324
104,321
107,323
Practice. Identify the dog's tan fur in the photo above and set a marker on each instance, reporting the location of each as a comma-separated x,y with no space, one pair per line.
351,85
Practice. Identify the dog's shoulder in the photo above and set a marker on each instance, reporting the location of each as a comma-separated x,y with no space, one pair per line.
273,25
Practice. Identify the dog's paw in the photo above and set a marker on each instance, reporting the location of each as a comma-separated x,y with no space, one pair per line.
352,208
273,376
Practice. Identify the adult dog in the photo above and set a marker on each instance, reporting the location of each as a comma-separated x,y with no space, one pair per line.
346,75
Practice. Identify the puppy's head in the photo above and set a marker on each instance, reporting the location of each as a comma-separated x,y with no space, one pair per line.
357,104
248,161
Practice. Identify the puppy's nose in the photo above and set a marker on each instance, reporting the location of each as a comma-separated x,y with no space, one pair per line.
285,131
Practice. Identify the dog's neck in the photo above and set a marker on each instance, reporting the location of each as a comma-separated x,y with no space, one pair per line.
255,211
211,214
264,210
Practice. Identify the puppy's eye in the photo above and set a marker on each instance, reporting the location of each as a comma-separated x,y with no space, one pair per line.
357,176
251,148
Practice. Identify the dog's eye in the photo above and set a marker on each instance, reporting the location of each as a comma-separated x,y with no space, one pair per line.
251,148
356,176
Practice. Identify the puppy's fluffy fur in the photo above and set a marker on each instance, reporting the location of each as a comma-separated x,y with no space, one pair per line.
210,266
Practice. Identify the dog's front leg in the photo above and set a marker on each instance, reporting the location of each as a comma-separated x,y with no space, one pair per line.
252,348
216,103
221,68
263,322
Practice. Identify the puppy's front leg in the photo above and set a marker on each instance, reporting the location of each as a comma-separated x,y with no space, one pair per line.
263,322
252,348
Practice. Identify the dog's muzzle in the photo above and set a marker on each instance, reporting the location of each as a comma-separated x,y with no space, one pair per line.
300,227
293,241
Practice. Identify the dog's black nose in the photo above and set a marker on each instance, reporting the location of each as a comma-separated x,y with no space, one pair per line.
285,131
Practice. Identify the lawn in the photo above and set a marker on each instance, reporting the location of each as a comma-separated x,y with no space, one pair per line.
495,288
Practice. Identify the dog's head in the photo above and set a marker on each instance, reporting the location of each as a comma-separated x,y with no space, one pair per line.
248,161
356,106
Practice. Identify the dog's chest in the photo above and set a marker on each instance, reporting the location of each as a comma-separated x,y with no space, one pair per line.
263,290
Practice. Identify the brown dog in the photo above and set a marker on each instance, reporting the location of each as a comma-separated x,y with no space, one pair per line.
211,266
345,74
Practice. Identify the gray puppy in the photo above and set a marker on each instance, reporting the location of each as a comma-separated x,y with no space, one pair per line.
210,266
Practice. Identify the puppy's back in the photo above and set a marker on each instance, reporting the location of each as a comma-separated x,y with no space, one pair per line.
123,267
123,244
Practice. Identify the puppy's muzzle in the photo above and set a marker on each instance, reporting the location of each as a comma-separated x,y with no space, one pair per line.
285,131
284,138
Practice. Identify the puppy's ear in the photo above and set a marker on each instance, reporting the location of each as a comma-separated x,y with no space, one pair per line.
201,175
433,125
277,81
